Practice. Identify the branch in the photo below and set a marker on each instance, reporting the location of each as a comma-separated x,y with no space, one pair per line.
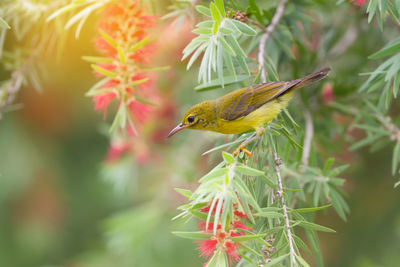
261,48
267,33
278,162
309,132
390,126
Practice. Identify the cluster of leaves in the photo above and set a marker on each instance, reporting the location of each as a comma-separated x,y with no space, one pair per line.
218,38
25,21
233,186
235,182
380,89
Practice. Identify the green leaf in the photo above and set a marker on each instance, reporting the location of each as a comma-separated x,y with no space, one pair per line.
203,10
301,243
61,11
269,214
388,50
243,169
277,260
301,261
215,13
108,38
228,158
316,227
93,90
4,24
205,24
198,214
306,210
235,45
213,174
396,184
328,164
146,40
193,235
202,31
250,250
226,46
196,54
243,28
145,100
246,237
184,192
121,55
242,63
136,82
103,71
215,83
98,59
221,8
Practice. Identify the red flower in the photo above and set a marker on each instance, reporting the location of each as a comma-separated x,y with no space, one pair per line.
207,247
327,93
358,2
102,101
116,150
221,240
140,110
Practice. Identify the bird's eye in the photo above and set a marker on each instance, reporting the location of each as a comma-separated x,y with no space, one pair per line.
190,119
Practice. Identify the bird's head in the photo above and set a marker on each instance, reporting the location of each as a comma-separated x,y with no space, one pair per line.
197,117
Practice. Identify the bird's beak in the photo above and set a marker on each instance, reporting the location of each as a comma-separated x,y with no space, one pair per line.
178,128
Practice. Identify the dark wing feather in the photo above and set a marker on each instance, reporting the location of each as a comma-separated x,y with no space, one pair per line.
246,100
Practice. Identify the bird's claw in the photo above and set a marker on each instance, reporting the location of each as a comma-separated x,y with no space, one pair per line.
248,153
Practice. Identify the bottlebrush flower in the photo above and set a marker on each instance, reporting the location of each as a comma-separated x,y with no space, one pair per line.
358,2
222,240
124,27
327,93
102,101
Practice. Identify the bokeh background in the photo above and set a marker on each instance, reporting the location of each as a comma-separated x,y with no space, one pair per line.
62,203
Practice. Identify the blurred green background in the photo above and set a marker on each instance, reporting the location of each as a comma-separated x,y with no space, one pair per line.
61,205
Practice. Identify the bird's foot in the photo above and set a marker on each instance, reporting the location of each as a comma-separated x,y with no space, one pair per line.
242,148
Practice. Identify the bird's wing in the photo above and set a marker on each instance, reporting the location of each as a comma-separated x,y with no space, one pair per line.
248,99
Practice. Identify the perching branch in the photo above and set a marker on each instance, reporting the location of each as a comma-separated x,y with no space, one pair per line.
278,162
390,126
264,38
267,33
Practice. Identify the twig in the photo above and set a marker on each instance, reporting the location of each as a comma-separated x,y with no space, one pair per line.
278,162
305,156
267,33
264,38
309,132
390,126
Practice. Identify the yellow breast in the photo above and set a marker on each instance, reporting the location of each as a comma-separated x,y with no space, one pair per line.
255,119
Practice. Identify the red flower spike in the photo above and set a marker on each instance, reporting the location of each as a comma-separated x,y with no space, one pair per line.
116,150
127,23
102,101
232,251
140,110
239,225
359,3
207,247
240,214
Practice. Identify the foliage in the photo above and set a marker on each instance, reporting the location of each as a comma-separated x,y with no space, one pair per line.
263,210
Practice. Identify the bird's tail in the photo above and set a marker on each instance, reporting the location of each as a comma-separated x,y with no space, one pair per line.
316,76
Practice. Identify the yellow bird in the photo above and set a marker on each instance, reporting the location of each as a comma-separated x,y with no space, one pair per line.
245,109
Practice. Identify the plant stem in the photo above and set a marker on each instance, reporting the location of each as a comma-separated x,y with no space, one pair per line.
278,162
267,33
309,132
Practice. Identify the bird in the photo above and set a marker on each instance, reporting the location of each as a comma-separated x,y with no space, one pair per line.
245,109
